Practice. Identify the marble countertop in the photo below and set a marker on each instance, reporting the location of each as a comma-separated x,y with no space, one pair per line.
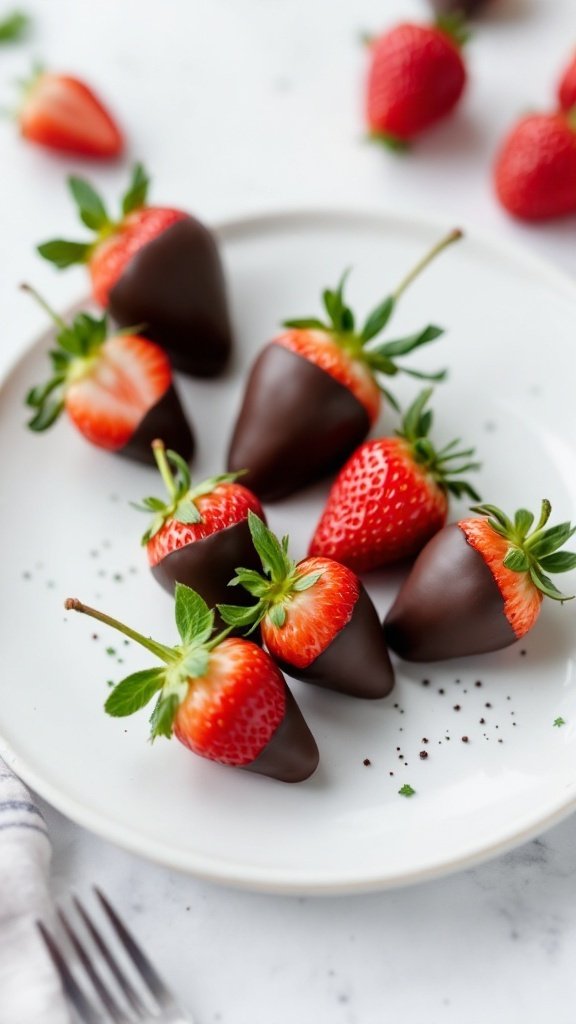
245,105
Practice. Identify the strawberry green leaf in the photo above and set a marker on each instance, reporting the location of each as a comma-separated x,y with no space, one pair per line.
378,319
559,561
235,615
402,346
307,323
196,661
162,718
137,192
194,620
307,581
545,543
272,555
91,208
186,512
523,520
134,692
406,790
64,254
14,27
545,584
252,581
517,560
277,615
46,416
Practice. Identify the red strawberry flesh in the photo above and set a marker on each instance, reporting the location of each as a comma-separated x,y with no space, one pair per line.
62,113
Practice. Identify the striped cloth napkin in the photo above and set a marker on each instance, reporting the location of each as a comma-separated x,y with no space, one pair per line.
29,988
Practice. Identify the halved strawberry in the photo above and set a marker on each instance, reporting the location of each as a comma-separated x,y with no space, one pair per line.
200,534
478,585
392,495
223,698
315,390
116,389
63,113
316,619
154,266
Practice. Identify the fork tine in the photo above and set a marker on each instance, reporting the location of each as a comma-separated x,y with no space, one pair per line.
139,958
130,993
117,1015
83,1008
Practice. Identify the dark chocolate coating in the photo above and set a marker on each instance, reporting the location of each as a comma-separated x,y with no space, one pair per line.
296,425
450,604
291,755
357,661
209,564
165,420
466,7
174,286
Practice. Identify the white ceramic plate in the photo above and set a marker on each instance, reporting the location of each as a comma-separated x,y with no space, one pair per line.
68,530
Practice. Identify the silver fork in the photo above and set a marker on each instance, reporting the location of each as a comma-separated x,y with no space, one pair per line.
132,1007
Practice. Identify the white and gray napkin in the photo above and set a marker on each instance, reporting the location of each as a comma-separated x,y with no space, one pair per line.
29,988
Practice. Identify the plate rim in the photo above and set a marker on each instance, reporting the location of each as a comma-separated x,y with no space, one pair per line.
286,881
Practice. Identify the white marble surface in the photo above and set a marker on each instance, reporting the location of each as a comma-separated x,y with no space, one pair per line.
239,105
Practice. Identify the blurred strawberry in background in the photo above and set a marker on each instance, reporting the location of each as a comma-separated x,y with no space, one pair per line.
62,113
567,86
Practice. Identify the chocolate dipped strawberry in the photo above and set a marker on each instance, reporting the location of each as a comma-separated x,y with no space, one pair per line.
224,698
115,388
316,619
154,266
392,495
315,390
478,585
200,533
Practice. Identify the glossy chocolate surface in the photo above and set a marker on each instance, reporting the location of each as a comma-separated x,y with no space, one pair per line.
291,755
357,661
165,420
449,606
466,7
175,287
208,565
296,425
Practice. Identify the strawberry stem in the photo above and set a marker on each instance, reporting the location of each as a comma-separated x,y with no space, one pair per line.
452,236
165,471
166,654
56,319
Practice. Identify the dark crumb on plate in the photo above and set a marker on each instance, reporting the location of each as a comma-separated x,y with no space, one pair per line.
423,754
487,705
482,721
390,773
367,761
523,653
424,739
465,739
425,682
478,683
95,636
457,707
441,692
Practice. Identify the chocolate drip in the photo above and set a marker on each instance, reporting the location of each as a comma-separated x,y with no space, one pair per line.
357,661
209,564
174,286
165,420
291,755
296,425
449,606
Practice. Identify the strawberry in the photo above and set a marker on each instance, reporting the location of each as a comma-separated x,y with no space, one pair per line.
478,585
391,496
200,534
154,266
416,77
115,388
316,619
567,87
314,391
535,170
222,697
62,113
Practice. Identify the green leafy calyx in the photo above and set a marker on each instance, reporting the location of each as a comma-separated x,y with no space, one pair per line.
533,551
381,357
181,505
445,465
94,215
274,588
454,26
14,26
182,664
78,347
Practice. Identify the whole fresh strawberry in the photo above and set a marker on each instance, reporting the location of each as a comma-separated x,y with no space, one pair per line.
567,87
200,534
116,389
154,266
315,390
478,585
62,113
392,495
316,619
415,78
222,697
535,170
